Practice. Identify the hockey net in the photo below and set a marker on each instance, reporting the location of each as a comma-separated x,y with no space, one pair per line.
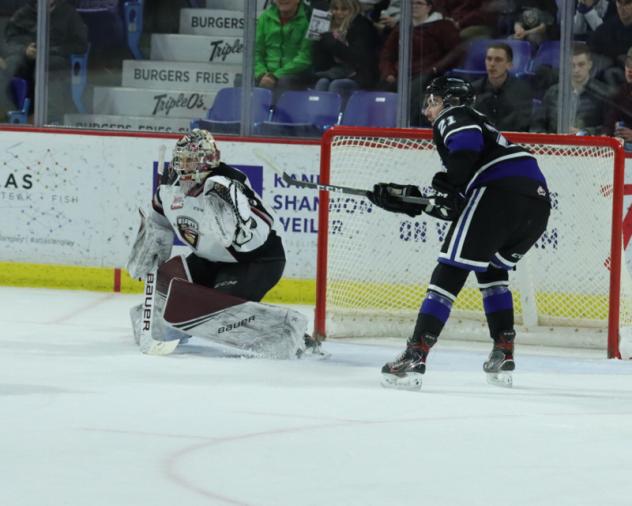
571,289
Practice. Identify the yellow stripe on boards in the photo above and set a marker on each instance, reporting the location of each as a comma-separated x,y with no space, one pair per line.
102,279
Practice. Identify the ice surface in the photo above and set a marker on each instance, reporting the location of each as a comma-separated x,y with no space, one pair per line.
88,421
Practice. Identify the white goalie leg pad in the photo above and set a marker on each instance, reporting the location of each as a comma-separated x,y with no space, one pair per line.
150,332
265,330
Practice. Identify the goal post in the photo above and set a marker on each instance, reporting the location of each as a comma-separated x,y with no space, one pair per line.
572,288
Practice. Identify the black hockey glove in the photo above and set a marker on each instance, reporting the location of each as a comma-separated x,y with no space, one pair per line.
448,202
390,196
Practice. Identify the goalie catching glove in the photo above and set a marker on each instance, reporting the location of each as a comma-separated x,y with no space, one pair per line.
390,196
152,246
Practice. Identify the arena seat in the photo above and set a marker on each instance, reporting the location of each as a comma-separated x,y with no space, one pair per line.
371,108
106,32
19,93
20,88
133,14
79,79
303,114
224,116
548,53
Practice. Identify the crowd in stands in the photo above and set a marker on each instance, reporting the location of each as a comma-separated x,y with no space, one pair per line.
360,52
18,49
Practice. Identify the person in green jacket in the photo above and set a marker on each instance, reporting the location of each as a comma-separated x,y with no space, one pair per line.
282,51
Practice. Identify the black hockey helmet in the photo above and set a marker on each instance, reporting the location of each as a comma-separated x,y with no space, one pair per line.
453,90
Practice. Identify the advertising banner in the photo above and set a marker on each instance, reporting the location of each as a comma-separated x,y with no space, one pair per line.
129,123
137,102
228,23
182,76
73,199
199,48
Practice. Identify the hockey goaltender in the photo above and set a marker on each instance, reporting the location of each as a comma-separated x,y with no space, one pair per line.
236,258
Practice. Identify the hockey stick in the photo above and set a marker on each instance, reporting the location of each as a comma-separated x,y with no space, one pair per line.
289,180
161,159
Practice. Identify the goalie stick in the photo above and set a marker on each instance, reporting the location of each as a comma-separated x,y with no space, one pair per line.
291,181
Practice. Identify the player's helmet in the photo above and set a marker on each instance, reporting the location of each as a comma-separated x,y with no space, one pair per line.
195,156
453,90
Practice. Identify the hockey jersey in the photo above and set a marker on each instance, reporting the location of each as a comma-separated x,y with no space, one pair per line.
476,154
186,213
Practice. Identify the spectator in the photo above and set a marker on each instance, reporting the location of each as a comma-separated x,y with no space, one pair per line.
589,15
502,97
282,52
434,40
345,58
535,21
588,99
6,100
389,17
68,35
372,9
474,18
611,40
618,119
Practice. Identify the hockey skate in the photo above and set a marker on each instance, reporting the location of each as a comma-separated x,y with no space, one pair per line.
312,349
406,372
500,363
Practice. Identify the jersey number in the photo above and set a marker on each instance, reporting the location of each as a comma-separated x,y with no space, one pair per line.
445,123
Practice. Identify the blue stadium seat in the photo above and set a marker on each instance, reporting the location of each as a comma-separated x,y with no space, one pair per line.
78,83
548,54
19,91
303,114
371,108
79,79
133,12
225,114
474,64
106,32
22,115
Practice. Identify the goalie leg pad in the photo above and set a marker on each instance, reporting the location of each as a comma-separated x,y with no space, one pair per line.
150,332
266,330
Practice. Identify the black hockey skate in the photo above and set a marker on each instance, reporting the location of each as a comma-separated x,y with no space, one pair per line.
406,371
500,362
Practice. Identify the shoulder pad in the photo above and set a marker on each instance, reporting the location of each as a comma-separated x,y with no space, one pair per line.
457,119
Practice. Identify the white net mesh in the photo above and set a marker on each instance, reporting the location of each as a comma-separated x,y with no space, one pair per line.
379,263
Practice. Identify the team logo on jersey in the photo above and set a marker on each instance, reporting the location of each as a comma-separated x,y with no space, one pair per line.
189,230
178,202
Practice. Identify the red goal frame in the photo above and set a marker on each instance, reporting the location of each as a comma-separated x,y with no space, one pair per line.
567,140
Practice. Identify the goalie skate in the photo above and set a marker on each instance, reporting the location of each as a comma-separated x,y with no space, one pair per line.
312,349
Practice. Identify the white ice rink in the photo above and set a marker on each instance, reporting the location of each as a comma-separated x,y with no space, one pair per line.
86,420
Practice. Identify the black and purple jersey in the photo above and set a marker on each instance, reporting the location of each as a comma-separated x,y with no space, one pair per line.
476,154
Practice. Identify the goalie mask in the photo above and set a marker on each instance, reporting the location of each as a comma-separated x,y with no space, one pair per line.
195,156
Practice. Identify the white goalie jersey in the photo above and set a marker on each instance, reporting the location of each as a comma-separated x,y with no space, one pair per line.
222,221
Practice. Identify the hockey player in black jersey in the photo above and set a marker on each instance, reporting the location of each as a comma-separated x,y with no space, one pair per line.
497,199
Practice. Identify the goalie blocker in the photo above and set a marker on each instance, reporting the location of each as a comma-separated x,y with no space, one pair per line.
182,309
